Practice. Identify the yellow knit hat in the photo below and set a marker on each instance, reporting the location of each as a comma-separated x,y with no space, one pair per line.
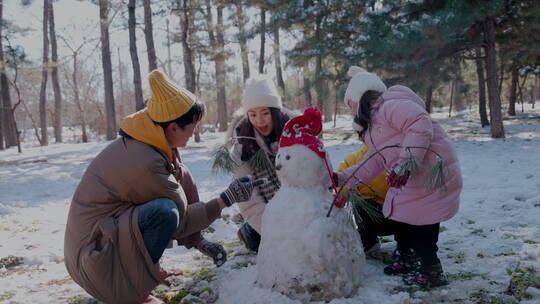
168,101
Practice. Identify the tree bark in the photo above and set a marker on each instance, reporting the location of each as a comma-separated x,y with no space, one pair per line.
189,67
137,83
513,92
497,127
82,117
307,85
58,104
44,140
484,121
263,40
220,71
277,56
7,120
110,113
242,39
149,35
429,97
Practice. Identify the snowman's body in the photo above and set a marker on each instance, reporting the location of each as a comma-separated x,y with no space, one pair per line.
303,253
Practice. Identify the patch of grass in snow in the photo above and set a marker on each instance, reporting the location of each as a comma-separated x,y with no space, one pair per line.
80,299
458,257
470,222
507,253
11,261
209,230
442,229
531,242
522,278
242,265
479,231
463,275
58,282
510,236
4,228
482,296
6,296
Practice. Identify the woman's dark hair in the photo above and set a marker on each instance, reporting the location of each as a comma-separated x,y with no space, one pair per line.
363,117
250,146
194,114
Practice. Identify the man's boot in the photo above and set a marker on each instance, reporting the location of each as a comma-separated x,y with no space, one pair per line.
427,276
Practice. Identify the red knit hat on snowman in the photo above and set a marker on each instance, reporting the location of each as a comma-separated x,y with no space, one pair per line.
303,130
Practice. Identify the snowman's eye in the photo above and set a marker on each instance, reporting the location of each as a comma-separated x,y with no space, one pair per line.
287,157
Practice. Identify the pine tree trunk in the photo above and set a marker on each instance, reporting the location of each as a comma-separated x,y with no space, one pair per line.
220,71
307,85
189,67
501,78
513,92
452,86
149,35
58,104
7,120
44,140
107,69
169,61
484,121
429,97
263,40
497,128
277,56
74,78
536,94
137,82
243,43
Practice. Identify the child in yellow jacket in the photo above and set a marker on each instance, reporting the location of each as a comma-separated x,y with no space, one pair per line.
369,228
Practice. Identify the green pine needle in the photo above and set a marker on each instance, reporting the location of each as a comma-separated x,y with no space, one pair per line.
259,161
222,160
436,178
358,203
412,164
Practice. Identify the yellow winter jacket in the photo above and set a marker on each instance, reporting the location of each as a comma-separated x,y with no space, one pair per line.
378,184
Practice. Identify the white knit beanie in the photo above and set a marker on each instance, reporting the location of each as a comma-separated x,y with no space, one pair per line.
361,82
260,91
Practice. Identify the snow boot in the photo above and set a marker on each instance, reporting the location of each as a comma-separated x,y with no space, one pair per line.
214,251
427,277
249,237
405,261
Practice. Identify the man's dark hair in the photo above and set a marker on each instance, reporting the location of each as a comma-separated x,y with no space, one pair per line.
194,114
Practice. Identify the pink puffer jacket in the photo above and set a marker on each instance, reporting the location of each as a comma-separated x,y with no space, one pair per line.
399,117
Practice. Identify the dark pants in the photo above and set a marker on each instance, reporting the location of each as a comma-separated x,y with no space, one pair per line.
249,236
423,239
158,221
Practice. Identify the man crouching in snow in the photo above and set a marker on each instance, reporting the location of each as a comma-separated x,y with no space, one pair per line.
136,196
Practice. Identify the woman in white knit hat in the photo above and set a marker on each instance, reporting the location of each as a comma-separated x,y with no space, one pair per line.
253,138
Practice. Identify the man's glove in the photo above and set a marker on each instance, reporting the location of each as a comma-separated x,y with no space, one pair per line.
214,251
397,176
240,190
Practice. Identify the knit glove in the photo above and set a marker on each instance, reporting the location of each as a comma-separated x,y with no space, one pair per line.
240,190
214,251
397,177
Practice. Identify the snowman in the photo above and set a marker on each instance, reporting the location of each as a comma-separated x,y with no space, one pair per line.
303,253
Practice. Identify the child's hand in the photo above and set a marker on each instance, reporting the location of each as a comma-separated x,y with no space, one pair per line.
397,177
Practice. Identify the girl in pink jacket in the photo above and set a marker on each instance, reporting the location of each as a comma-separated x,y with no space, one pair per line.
397,116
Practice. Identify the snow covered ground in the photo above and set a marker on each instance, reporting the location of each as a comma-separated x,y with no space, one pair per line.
494,239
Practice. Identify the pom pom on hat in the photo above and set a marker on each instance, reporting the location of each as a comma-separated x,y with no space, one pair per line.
167,101
361,82
303,130
260,91
353,70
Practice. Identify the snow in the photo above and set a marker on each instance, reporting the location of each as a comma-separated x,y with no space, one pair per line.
495,231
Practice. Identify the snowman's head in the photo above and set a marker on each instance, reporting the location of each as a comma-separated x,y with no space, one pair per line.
299,167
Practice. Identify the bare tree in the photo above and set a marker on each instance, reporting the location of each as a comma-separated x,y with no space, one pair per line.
44,139
54,73
242,38
263,39
7,119
277,56
513,91
149,35
137,83
484,121
217,43
107,69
